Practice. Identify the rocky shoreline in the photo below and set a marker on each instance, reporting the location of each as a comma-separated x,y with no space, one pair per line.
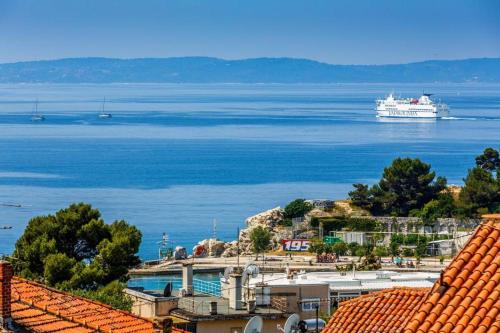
269,219
273,221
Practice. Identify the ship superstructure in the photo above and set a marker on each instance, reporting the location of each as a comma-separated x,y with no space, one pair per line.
422,107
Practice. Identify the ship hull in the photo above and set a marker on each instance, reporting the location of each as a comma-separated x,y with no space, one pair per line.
411,114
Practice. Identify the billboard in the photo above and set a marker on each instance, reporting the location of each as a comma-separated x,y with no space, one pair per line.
297,245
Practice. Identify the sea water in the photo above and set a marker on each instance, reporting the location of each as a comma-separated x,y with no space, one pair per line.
176,158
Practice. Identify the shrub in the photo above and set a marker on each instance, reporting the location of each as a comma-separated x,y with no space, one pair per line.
408,252
297,208
381,251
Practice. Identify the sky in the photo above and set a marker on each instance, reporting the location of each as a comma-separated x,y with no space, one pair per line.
339,32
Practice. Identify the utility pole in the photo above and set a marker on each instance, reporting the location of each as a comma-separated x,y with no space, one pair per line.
317,317
238,248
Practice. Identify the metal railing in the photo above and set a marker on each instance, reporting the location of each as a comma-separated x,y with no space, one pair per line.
193,305
158,284
205,307
206,287
155,283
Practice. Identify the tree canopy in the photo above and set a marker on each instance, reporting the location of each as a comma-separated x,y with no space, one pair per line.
297,208
406,184
489,160
443,206
481,192
75,249
260,238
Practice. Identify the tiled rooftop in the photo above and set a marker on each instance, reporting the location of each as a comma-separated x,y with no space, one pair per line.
40,309
385,311
467,298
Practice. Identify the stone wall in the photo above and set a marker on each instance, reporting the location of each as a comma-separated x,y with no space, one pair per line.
409,224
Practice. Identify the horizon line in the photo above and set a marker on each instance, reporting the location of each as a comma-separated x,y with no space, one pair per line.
244,59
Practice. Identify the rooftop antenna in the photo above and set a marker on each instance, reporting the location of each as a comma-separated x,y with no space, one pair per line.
238,248
214,229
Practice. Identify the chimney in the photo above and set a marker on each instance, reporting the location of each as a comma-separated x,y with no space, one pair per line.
187,279
6,273
235,291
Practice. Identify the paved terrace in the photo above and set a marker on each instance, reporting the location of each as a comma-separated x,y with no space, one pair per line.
276,263
197,308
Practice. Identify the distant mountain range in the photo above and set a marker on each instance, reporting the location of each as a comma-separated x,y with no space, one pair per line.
258,70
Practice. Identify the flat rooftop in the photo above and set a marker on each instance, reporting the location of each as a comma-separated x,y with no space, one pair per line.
351,280
197,308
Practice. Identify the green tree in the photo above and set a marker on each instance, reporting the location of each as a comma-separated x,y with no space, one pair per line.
381,251
481,192
353,248
361,196
297,208
443,206
58,268
406,185
75,249
317,246
111,294
395,246
489,160
340,248
260,239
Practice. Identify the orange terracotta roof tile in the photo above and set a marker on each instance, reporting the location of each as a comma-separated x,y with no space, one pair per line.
384,311
40,309
466,299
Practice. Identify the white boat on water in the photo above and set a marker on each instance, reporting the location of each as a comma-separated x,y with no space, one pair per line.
422,107
104,115
36,116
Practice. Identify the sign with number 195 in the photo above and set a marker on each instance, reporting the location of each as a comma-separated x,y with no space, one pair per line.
298,245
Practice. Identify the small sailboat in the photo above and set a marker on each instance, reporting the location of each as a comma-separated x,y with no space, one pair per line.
36,116
103,114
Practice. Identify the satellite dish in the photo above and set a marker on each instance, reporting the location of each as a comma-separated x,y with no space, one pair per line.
292,323
227,272
254,325
251,270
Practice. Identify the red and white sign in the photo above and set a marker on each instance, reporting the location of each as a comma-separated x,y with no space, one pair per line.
298,245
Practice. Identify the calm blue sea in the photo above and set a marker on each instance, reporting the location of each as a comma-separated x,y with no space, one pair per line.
175,157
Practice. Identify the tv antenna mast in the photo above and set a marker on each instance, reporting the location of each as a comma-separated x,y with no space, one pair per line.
214,229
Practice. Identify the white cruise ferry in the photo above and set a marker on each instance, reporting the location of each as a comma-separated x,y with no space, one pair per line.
423,107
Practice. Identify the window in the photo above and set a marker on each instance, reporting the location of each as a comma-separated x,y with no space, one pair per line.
310,304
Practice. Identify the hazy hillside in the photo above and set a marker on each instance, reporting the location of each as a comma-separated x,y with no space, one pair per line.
265,70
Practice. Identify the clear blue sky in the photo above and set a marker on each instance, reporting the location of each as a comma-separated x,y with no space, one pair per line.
344,32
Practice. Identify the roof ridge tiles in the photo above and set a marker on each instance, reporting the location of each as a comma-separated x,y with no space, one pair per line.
33,299
471,287
87,301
